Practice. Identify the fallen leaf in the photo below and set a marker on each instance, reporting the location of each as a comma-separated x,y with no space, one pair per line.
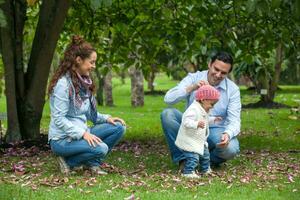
229,186
290,178
131,197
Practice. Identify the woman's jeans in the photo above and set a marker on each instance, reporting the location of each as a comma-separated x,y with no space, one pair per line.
79,152
171,120
192,160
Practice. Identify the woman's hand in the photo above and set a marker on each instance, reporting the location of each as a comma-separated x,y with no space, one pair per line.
93,140
113,120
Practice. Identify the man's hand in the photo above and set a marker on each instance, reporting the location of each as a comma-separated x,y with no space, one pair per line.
193,87
113,120
201,83
224,140
218,119
93,140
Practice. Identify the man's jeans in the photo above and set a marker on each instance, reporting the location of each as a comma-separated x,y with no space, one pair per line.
192,160
171,120
79,152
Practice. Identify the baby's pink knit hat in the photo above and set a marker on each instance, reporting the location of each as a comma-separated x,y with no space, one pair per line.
207,92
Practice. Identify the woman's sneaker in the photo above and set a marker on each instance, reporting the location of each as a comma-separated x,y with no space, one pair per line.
192,175
64,167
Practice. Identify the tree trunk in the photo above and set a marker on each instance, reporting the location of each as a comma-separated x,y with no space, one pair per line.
278,63
122,76
263,87
272,84
109,101
100,88
11,45
151,81
26,92
137,87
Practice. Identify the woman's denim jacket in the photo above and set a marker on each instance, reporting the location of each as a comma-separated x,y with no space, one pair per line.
67,120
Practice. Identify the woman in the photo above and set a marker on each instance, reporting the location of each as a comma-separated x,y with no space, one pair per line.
72,104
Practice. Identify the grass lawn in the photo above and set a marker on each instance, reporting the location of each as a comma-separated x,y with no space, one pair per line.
140,167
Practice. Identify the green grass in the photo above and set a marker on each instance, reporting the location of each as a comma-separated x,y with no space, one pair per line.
217,190
143,166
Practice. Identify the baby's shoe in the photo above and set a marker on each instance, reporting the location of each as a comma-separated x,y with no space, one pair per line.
192,175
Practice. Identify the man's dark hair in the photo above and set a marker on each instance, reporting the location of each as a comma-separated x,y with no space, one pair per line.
224,57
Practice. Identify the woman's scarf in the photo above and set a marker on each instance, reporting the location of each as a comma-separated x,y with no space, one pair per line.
85,83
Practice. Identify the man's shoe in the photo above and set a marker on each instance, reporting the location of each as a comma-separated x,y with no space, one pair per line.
96,170
218,166
215,166
207,172
78,168
64,167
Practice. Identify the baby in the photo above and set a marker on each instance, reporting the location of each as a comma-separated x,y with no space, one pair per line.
194,130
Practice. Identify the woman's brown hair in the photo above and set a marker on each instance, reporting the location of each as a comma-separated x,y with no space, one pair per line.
77,47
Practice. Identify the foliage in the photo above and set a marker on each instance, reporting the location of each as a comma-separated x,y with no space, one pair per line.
1,77
32,15
168,35
291,75
2,16
149,35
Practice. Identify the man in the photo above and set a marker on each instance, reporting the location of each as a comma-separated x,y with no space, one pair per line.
222,141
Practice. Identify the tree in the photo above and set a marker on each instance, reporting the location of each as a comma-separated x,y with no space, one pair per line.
267,34
26,86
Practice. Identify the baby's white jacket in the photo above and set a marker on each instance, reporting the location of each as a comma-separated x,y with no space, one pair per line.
190,137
